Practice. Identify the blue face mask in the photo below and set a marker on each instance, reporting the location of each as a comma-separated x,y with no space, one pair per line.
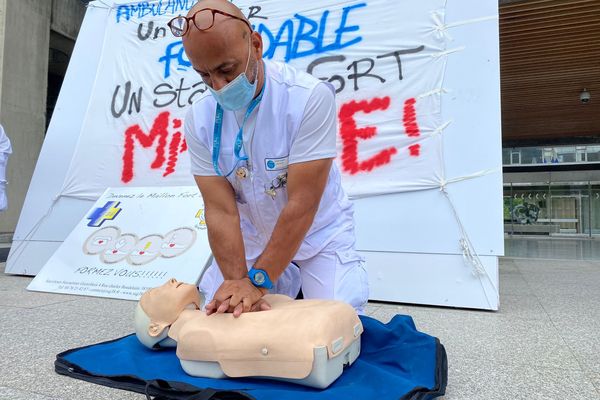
238,93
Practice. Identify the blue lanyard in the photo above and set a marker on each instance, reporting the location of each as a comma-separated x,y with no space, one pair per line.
239,141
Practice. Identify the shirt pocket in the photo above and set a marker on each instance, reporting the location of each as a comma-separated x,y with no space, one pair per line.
274,185
352,282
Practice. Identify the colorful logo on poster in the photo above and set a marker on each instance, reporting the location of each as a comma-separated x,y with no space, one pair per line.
106,213
201,224
113,246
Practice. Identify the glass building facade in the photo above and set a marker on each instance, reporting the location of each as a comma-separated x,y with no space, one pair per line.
553,191
552,208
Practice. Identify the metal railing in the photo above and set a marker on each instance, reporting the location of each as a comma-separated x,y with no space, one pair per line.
543,155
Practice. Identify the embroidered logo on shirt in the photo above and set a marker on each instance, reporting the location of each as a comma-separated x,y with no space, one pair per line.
276,164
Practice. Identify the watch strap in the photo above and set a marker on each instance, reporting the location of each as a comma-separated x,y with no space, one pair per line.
260,278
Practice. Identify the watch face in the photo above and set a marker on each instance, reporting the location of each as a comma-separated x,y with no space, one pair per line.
259,278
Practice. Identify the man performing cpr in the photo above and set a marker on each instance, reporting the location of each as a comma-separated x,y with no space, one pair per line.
262,142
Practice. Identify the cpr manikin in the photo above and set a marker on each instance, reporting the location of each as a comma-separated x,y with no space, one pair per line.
302,341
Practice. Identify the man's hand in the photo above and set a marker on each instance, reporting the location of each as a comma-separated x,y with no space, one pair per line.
238,296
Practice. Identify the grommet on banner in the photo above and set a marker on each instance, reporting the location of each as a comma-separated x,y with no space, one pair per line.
443,184
439,27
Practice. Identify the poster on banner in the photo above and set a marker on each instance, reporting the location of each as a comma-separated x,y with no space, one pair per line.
387,75
111,254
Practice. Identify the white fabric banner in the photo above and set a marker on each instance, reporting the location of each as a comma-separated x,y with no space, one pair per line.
385,58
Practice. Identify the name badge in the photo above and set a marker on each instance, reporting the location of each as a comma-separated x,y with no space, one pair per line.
276,164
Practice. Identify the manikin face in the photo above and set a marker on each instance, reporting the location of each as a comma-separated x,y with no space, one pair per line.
226,50
164,303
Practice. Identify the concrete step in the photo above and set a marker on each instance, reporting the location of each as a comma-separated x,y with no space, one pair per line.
6,237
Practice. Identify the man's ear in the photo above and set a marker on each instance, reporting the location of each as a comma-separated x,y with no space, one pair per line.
257,43
155,329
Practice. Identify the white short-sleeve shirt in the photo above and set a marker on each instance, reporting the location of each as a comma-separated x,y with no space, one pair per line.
295,122
315,140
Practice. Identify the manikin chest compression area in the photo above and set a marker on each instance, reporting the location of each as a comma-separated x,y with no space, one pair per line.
308,342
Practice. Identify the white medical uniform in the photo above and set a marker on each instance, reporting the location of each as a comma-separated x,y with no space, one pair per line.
296,121
5,151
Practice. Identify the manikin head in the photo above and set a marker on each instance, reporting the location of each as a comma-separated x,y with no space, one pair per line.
160,307
225,51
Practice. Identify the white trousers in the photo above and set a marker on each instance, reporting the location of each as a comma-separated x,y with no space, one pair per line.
3,199
336,273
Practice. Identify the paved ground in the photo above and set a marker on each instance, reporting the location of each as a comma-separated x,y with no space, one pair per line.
543,344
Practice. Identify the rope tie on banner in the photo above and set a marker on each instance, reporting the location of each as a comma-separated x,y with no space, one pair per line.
433,92
471,258
441,28
443,185
90,4
470,21
448,52
437,131
441,128
469,254
475,175
438,19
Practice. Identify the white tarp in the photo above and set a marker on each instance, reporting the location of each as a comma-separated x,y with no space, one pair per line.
437,246
110,254
384,58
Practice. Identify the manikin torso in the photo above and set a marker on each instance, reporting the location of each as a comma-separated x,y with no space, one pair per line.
291,341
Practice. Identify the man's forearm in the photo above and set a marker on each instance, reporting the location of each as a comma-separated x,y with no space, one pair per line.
294,222
227,244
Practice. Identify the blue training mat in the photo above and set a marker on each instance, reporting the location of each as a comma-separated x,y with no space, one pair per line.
396,362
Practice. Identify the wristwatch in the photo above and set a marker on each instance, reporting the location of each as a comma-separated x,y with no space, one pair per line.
260,278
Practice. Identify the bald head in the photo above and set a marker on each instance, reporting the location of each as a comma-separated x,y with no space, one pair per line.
222,5
222,24
227,49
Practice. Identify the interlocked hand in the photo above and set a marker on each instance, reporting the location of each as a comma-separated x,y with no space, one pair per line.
237,297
